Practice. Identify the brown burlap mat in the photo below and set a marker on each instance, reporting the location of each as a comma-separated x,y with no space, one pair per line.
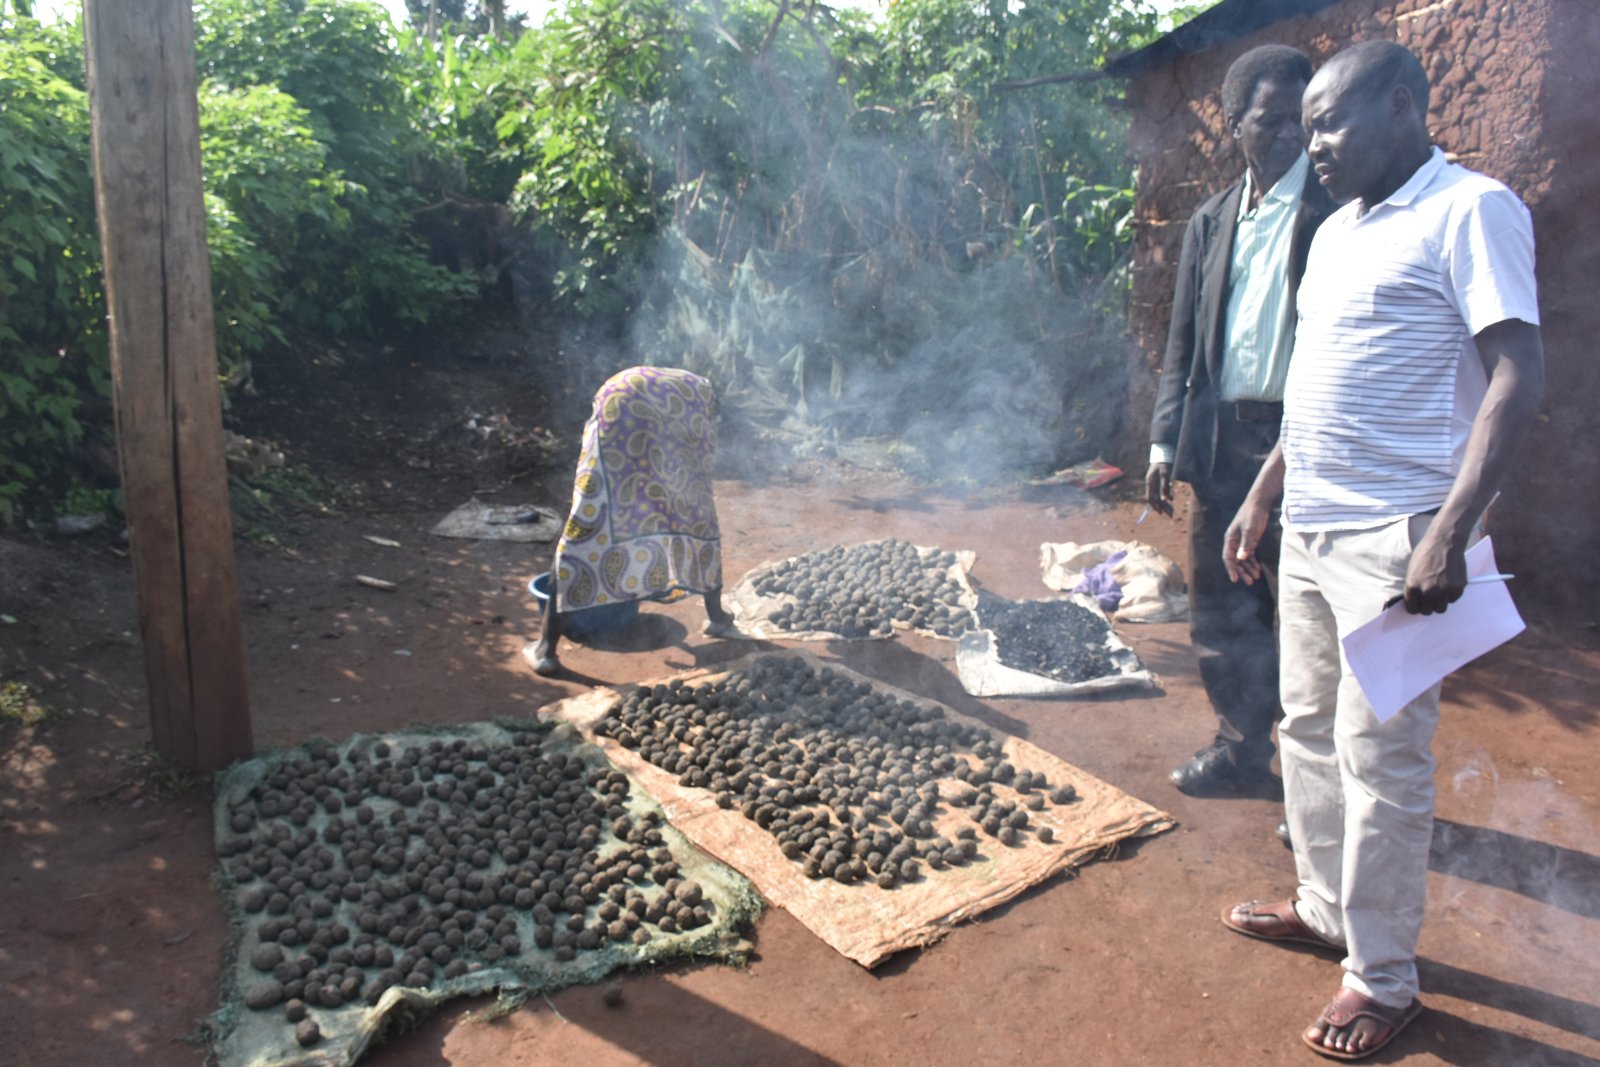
861,921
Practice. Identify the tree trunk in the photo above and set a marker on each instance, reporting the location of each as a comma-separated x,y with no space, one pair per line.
146,151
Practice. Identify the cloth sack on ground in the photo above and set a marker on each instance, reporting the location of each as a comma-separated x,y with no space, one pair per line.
1153,588
522,523
982,673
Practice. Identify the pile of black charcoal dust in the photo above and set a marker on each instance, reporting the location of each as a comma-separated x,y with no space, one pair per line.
1055,638
436,860
862,590
855,784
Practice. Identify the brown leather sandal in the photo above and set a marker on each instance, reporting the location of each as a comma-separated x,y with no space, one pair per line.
1345,1010
1277,922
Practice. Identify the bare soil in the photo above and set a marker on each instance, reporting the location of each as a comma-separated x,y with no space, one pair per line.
112,938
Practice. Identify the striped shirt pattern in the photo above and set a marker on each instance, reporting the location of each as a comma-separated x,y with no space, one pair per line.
1260,323
1385,379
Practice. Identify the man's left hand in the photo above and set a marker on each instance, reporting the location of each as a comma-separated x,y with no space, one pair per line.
1436,576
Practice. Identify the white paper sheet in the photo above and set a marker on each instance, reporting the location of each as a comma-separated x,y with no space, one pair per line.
1397,656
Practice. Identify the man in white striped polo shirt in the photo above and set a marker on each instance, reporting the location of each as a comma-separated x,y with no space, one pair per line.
1220,401
1417,369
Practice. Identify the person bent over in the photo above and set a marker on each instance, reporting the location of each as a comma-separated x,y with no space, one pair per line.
643,522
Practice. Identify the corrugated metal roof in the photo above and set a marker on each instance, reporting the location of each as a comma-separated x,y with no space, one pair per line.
1228,21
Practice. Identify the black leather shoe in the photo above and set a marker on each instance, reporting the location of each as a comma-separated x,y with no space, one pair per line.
1281,832
1214,772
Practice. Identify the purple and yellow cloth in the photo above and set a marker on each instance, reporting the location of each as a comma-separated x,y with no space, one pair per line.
643,521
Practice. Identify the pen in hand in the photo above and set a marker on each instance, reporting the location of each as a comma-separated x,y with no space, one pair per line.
1476,579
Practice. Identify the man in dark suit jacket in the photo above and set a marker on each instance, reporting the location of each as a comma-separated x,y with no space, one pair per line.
1220,401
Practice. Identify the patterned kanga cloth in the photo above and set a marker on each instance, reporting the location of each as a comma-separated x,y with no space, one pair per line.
643,521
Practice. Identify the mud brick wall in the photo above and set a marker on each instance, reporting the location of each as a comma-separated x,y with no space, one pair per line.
1516,95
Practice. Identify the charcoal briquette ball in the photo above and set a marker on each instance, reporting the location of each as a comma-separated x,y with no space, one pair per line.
1045,834
266,956
1064,795
1008,835
294,1010
308,1033
260,995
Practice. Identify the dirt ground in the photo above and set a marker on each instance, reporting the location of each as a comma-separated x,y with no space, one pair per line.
111,936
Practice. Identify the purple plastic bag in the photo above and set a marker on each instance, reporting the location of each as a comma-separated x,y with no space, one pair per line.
1098,582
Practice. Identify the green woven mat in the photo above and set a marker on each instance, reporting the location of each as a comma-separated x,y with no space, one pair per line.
245,816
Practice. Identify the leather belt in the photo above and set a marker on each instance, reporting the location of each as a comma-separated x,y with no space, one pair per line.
1255,410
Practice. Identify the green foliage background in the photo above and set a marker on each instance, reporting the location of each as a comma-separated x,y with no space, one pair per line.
806,204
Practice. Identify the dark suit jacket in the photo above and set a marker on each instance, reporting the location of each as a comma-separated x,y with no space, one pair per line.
1186,400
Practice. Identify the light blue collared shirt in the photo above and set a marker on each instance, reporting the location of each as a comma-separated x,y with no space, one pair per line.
1259,333
1260,327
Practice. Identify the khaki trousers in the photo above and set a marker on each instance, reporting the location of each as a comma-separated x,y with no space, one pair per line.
1358,793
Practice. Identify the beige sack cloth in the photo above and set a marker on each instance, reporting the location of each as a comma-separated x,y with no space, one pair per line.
1153,589
523,523
982,673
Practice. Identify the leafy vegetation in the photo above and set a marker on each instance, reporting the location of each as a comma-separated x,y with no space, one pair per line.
20,704
815,208
52,352
820,212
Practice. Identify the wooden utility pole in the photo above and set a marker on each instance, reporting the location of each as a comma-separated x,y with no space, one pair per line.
146,138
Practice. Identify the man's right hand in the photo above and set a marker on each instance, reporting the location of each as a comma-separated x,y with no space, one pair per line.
1158,488
1239,543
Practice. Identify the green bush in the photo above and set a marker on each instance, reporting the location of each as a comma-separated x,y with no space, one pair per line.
356,268
892,185
52,346
266,184
314,159
823,212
